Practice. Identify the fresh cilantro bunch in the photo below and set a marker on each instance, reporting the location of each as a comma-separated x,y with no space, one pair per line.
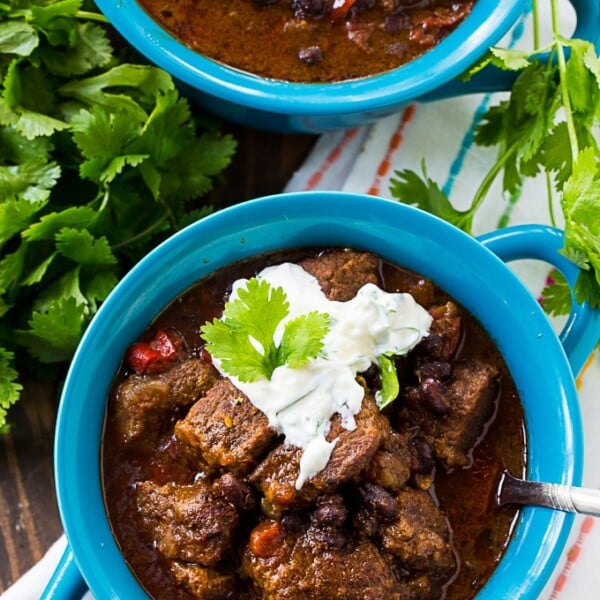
547,125
243,338
100,159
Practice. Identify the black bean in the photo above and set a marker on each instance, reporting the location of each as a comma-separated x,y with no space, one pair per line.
395,23
436,369
311,55
330,511
433,395
235,491
314,8
379,501
360,6
423,461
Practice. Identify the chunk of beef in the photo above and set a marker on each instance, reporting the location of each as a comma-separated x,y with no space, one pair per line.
203,582
277,474
143,405
419,540
305,564
468,401
225,430
445,333
421,289
354,448
390,467
190,523
471,395
341,273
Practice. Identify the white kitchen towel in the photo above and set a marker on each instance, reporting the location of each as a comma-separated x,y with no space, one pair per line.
363,159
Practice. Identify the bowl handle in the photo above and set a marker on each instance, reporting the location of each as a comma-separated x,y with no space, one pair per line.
66,582
581,332
493,79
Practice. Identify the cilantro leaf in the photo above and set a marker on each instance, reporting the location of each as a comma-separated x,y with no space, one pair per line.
9,387
104,137
17,38
505,59
81,247
556,295
109,89
302,339
581,207
243,338
29,182
92,49
51,223
407,187
15,216
54,333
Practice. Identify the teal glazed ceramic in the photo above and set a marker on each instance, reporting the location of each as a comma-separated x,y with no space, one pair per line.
472,270
283,106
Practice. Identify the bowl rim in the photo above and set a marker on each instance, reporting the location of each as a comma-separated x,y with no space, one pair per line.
134,302
487,23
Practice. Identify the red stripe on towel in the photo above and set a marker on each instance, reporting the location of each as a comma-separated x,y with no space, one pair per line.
395,142
330,159
572,556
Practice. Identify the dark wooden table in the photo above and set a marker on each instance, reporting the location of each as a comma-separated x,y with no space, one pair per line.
29,520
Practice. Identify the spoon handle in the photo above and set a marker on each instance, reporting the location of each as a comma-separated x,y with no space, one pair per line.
551,495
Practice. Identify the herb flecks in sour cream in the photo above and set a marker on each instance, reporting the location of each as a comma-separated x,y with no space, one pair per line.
296,354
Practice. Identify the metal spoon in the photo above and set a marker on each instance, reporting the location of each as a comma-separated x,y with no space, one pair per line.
512,490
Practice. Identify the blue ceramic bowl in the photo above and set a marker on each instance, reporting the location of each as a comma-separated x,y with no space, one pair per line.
471,270
283,106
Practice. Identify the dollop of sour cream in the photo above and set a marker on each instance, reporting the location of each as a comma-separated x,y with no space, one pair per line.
300,402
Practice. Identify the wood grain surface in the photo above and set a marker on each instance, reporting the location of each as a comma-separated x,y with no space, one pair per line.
29,519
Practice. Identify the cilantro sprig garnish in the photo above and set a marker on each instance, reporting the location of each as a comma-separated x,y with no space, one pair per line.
547,125
100,159
243,338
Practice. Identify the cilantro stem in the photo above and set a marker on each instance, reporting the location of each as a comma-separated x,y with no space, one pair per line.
486,183
141,234
550,197
564,90
91,16
536,25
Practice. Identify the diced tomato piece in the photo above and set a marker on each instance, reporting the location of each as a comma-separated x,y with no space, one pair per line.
164,344
340,9
266,538
153,356
140,357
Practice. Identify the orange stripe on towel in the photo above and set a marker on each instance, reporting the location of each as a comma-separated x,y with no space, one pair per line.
330,159
584,370
395,142
572,557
